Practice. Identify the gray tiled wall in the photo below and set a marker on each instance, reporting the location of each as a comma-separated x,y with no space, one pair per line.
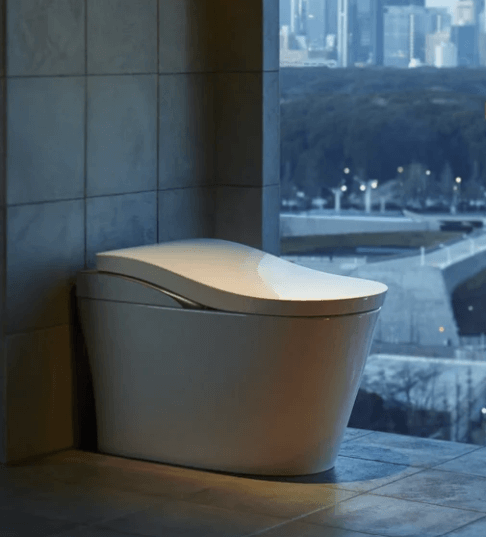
3,151
127,122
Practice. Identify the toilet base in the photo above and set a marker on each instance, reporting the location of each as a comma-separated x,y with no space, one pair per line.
246,394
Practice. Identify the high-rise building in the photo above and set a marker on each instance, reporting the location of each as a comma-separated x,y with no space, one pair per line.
298,17
343,33
438,20
331,7
284,13
432,41
377,32
316,23
482,38
366,43
465,39
445,54
404,35
464,13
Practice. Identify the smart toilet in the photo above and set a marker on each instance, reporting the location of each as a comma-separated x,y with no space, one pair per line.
210,354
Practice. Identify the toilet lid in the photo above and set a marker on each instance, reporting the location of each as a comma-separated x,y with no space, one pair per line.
233,277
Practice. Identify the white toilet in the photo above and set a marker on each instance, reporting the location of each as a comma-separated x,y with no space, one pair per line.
211,354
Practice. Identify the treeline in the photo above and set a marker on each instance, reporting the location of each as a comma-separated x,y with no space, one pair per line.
374,121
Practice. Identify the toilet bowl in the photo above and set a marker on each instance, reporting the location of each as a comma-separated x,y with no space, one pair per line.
210,354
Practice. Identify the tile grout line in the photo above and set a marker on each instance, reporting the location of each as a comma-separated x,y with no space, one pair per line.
425,503
297,518
61,200
85,190
465,525
144,73
157,168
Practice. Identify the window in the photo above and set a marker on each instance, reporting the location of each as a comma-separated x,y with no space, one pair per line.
383,133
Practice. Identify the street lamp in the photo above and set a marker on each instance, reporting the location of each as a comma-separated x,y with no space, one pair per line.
455,188
371,185
338,192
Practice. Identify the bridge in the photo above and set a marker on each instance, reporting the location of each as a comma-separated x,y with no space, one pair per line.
418,307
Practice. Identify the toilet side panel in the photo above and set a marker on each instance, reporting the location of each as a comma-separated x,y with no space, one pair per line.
232,392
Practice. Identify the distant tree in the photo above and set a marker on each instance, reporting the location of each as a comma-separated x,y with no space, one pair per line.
415,184
418,388
446,183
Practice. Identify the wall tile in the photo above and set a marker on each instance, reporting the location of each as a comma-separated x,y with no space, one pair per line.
45,37
45,139
239,130
122,134
38,392
271,35
187,36
186,130
122,36
3,456
271,129
271,220
114,222
3,44
186,213
239,34
3,226
3,136
45,250
239,214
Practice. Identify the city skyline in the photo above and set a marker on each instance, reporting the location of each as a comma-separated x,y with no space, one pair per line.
345,33
447,4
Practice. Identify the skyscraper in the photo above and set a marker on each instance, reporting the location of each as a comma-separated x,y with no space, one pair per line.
464,37
377,32
298,17
404,35
316,23
343,33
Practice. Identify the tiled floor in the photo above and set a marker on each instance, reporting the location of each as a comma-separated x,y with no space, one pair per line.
382,485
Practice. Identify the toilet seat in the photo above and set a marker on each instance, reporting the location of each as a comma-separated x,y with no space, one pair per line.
229,276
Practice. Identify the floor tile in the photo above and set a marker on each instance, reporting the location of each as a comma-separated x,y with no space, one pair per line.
82,505
285,500
357,474
351,433
190,519
80,468
472,463
28,525
474,529
402,449
92,531
392,517
301,529
449,489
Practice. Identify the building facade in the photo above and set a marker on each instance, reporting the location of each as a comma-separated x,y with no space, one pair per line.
404,35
